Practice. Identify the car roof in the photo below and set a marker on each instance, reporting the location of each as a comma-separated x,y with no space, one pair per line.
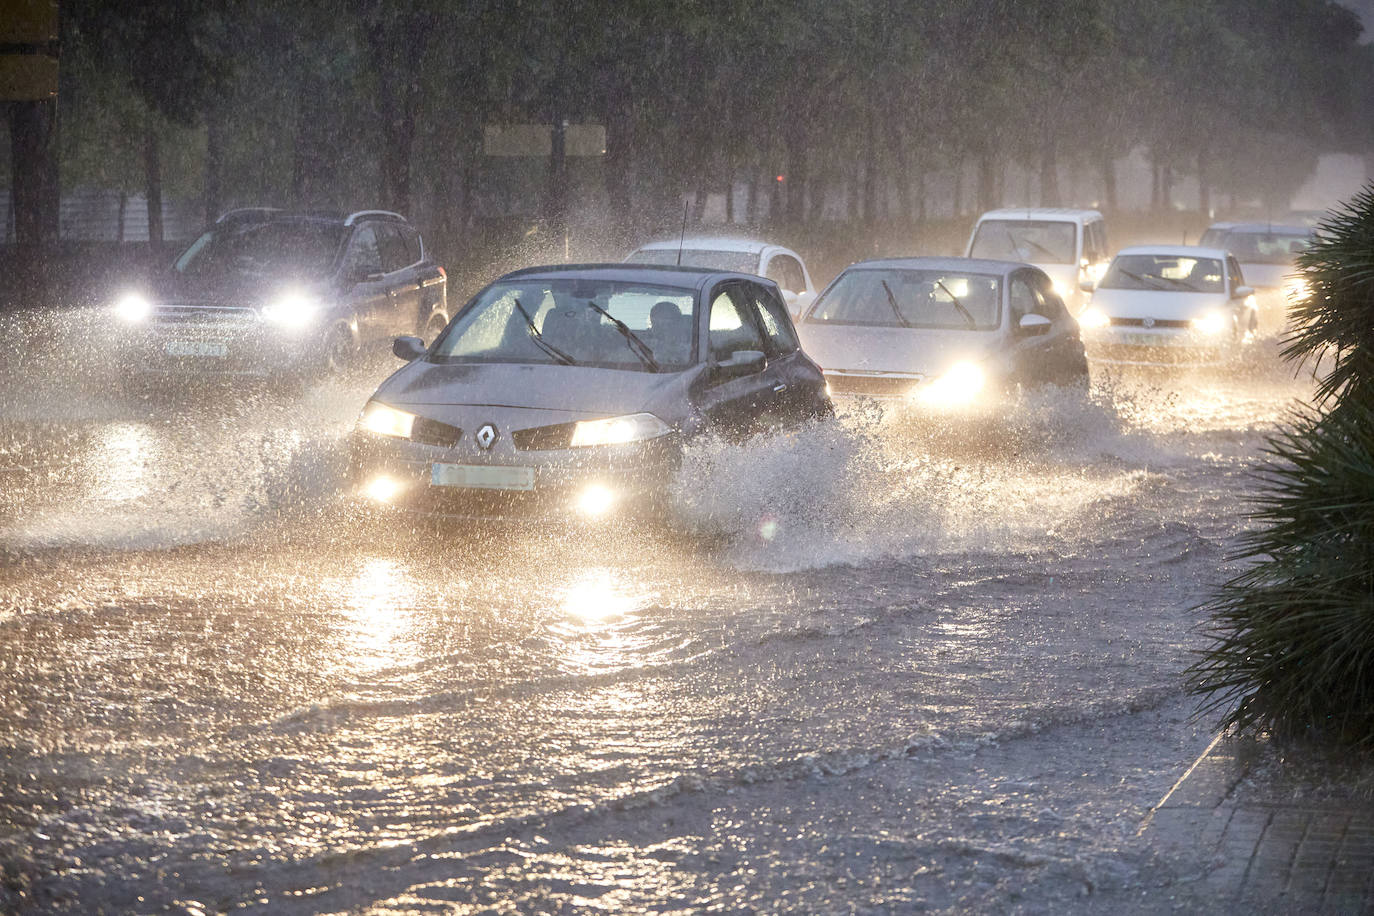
1049,213
1183,251
709,243
276,214
631,273
964,265
1270,229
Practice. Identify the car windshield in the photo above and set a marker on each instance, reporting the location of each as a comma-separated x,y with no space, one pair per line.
1266,247
739,261
1036,241
896,297
574,322
1169,272
303,247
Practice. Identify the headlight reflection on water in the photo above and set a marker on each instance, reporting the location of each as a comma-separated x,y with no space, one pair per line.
118,467
378,603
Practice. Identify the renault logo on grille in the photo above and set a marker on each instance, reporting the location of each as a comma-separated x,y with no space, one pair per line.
1148,322
486,435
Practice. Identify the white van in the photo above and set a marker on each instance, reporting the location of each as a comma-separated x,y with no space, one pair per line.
1069,245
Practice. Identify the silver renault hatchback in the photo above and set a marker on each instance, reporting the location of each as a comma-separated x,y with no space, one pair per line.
569,391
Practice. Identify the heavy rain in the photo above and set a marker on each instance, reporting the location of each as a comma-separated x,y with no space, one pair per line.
344,570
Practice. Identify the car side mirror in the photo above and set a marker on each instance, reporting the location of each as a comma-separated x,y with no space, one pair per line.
1086,284
804,300
1241,292
740,364
408,348
1033,325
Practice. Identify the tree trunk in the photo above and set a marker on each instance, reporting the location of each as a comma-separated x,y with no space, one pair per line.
214,165
1204,188
794,135
752,202
987,181
1107,165
1049,168
871,172
34,184
619,148
152,173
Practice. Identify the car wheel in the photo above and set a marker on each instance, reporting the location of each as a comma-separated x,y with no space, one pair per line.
339,350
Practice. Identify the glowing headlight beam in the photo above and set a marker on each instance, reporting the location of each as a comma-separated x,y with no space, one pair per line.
618,430
595,499
1093,318
386,421
1211,323
293,310
959,386
133,308
381,489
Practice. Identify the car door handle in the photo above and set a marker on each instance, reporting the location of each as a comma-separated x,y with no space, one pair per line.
779,388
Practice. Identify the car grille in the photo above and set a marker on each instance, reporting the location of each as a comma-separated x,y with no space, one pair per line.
543,438
432,432
195,313
871,385
1156,323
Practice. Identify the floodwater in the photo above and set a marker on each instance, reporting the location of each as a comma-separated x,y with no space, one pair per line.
890,664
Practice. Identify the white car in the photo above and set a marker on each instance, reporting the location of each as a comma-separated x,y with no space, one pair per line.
1069,245
751,256
1265,251
1169,305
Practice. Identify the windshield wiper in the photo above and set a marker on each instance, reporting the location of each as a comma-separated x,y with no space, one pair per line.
538,338
637,346
1139,279
973,325
892,301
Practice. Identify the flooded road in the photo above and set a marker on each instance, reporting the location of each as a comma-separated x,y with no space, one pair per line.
894,663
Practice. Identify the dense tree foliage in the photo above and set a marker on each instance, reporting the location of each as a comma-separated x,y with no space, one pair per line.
1293,649
810,107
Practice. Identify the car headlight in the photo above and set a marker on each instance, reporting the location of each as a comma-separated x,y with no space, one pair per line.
133,308
386,421
293,310
635,427
1093,317
960,385
1061,289
1211,323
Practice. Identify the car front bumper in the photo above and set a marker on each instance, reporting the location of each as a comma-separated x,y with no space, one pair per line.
592,485
214,342
1138,346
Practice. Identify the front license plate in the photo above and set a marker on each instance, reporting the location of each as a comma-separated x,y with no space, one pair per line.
212,348
482,477
1146,340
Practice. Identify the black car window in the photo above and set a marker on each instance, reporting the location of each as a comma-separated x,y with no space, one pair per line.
414,250
1048,302
393,245
777,326
732,328
364,253
787,273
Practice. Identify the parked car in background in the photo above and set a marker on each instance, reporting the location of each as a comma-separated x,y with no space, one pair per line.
1170,305
781,265
266,292
569,392
1068,245
945,332
1266,254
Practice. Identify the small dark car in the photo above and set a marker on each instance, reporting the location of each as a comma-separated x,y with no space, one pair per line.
265,292
569,391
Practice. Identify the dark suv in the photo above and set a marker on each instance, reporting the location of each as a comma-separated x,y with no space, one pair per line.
270,293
